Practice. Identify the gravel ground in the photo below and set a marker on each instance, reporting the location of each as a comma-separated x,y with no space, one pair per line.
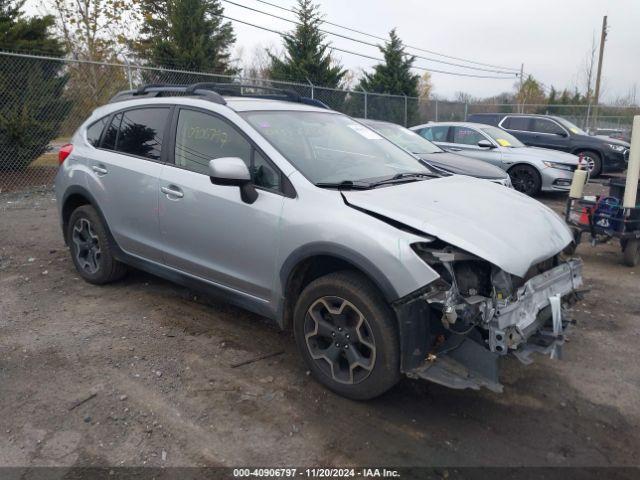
153,363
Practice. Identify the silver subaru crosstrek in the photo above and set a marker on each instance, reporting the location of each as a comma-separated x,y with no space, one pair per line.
303,215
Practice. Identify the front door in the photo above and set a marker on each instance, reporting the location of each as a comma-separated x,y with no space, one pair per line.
207,230
548,134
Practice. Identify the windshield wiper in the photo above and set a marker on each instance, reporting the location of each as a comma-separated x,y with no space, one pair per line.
405,176
345,185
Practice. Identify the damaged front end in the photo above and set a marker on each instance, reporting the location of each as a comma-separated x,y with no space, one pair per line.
455,330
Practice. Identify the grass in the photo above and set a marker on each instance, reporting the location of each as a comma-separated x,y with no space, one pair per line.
49,159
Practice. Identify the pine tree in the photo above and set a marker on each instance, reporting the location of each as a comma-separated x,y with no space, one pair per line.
395,77
186,34
31,103
307,58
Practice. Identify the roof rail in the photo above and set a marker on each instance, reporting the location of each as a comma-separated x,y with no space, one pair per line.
214,91
156,90
232,88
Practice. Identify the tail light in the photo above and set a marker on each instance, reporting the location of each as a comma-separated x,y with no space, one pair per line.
64,152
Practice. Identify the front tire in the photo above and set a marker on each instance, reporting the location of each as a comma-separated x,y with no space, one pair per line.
631,253
594,163
347,335
525,179
90,247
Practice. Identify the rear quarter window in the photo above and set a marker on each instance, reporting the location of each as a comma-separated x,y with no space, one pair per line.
94,131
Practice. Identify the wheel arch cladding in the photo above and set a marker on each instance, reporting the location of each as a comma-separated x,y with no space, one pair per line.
73,198
312,261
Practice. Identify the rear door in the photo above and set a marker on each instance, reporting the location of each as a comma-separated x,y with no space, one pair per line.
520,127
127,168
436,134
207,230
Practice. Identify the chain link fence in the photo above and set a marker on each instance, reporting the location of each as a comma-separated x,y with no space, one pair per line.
44,99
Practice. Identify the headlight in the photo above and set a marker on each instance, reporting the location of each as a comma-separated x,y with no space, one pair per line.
559,166
616,148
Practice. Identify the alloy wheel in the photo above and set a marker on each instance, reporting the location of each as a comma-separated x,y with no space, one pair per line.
340,340
590,161
524,180
87,246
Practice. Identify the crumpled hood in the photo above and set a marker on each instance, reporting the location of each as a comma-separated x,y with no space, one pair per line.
544,154
500,225
464,165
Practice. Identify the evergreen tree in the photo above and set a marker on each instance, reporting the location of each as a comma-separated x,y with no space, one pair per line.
186,34
306,54
31,103
395,77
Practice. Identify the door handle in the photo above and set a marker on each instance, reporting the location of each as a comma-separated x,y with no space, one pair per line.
100,170
173,191
455,149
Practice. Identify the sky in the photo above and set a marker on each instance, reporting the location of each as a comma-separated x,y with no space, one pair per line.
552,38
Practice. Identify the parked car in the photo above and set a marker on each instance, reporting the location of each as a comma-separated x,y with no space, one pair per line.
532,170
603,155
305,216
435,157
615,133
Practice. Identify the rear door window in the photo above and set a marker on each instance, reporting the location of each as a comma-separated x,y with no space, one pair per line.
141,132
466,136
111,135
517,123
435,134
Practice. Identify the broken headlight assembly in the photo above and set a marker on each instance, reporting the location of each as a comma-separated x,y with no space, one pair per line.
462,293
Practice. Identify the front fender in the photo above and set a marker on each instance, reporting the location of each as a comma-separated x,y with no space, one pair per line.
343,253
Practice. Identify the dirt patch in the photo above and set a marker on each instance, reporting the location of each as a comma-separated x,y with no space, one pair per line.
159,360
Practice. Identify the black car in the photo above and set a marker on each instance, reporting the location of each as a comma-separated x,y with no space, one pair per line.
437,159
603,155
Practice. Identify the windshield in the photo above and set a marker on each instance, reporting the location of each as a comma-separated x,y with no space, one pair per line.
405,138
503,138
570,126
330,148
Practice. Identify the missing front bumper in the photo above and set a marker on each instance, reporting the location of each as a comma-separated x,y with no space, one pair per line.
535,322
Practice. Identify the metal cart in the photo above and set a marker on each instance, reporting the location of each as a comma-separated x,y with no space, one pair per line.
604,218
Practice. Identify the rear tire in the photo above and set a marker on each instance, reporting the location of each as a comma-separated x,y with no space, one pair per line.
347,335
90,247
525,179
631,253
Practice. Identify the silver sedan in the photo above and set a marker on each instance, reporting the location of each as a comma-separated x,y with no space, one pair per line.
531,169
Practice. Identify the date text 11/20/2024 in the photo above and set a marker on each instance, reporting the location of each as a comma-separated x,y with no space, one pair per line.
315,472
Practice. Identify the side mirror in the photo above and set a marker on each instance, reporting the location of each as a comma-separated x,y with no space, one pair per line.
233,171
486,144
562,134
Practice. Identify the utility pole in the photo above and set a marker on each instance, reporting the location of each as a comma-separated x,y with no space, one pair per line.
521,84
603,39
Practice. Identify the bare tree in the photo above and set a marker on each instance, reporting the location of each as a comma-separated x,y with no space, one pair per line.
259,62
588,70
